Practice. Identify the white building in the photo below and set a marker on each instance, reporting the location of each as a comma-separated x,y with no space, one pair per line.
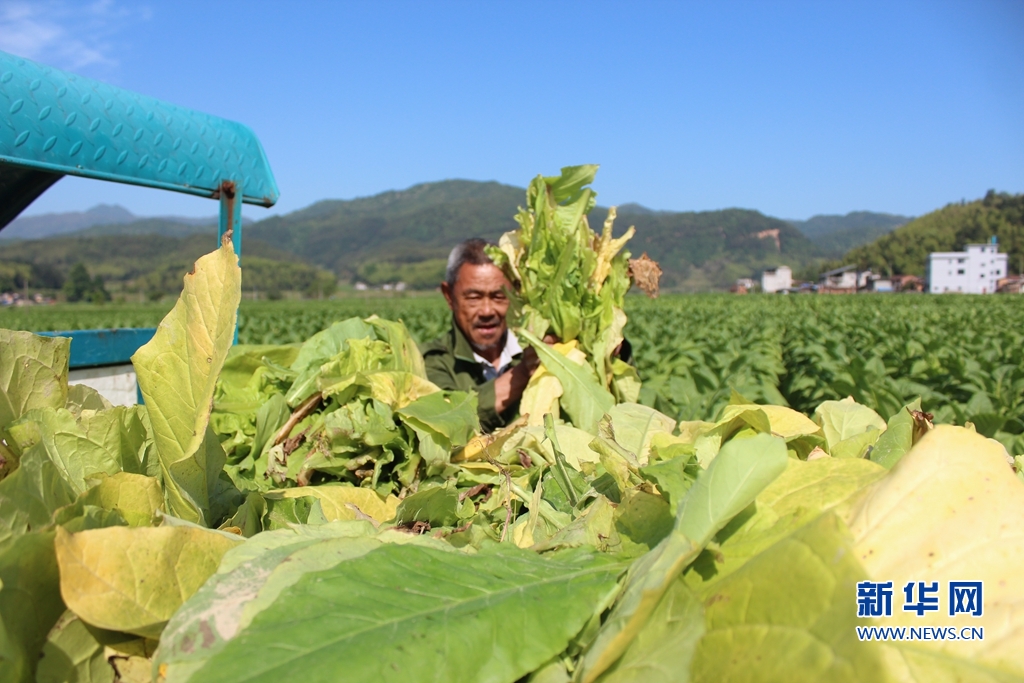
975,271
840,278
776,279
878,283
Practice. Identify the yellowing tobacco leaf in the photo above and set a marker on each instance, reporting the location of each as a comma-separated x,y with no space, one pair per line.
489,446
397,389
540,397
951,510
345,502
841,420
788,423
607,247
543,390
136,496
33,373
732,481
177,373
133,579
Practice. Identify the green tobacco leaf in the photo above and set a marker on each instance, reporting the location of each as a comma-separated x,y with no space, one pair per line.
897,439
94,444
841,420
80,517
436,505
584,399
30,603
453,415
856,446
135,496
721,493
742,469
250,578
177,373
406,355
248,517
408,613
570,183
33,373
663,650
8,459
320,348
634,426
83,397
31,494
642,520
328,343
72,653
797,497
270,417
595,528
790,614
133,579
245,360
673,478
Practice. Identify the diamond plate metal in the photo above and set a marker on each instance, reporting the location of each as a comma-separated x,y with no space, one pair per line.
51,120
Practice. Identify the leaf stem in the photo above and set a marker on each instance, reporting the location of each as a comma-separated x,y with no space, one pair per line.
561,474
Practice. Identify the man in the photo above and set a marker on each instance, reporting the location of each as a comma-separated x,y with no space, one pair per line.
480,353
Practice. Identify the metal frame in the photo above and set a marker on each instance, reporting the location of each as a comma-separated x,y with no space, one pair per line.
54,123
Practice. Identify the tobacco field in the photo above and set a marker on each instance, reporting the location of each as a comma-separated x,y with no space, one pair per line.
963,356
316,508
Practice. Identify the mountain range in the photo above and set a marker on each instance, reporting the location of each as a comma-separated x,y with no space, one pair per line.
406,235
836,235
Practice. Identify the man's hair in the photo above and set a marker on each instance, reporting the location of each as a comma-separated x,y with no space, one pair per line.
472,252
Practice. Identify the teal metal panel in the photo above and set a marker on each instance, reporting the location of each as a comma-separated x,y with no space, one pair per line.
55,122
96,348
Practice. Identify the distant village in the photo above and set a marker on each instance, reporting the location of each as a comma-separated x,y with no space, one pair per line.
981,269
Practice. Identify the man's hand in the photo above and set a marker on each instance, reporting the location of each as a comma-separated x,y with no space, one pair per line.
509,387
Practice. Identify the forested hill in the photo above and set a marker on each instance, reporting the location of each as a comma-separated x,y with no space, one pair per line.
54,224
710,249
905,251
409,226
150,264
407,234
835,235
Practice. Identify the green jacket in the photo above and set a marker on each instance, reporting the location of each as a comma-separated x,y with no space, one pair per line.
450,365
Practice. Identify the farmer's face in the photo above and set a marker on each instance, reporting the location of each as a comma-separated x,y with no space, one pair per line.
479,304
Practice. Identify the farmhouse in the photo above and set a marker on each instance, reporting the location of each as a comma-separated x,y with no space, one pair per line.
975,271
776,279
839,281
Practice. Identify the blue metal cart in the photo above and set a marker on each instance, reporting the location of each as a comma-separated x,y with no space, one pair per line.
54,123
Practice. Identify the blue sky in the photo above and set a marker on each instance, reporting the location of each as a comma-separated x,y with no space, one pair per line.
791,108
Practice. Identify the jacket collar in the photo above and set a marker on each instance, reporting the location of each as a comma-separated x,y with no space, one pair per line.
461,347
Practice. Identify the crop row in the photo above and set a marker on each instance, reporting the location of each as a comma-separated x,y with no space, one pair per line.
964,356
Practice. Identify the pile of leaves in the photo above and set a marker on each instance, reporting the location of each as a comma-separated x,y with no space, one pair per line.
614,545
570,282
352,404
